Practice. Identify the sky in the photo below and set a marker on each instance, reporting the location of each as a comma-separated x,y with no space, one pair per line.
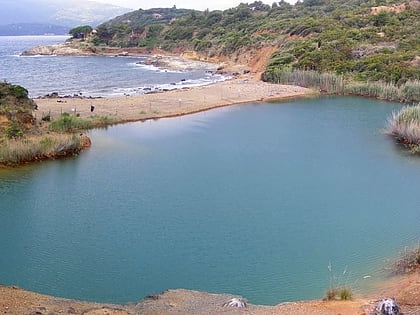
181,4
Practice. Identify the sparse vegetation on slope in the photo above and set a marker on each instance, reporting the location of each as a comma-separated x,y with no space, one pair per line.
375,40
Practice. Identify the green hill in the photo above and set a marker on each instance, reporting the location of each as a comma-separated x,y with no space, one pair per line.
364,40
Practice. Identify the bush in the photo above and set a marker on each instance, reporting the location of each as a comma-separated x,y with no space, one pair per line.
80,31
13,130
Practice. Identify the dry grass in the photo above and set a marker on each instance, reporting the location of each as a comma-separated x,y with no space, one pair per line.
405,126
18,151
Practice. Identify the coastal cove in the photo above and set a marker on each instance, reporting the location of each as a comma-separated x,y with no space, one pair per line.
254,199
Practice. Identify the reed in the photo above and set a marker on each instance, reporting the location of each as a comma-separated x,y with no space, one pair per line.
327,82
335,84
337,290
18,151
405,126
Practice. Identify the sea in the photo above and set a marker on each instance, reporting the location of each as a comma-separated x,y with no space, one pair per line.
92,76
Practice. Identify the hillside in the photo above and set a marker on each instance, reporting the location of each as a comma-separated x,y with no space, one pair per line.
365,40
19,29
64,13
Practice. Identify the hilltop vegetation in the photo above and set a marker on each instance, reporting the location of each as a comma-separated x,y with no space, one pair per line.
357,38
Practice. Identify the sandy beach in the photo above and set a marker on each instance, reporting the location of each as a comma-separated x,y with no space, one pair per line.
171,103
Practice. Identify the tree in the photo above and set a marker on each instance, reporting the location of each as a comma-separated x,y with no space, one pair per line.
80,31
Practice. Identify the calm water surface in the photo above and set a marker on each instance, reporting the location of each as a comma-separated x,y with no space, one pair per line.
255,200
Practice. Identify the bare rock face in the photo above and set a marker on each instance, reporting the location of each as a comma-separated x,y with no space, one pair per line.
59,50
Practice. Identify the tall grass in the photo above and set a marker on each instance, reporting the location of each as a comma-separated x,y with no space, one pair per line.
405,126
18,151
337,289
328,82
407,92
335,84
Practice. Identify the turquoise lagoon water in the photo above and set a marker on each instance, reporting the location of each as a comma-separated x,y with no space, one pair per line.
255,200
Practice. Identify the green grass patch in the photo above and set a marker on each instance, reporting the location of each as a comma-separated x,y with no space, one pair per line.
68,123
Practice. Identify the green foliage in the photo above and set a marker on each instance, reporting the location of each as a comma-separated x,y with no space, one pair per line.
80,31
46,117
13,130
337,36
17,91
67,123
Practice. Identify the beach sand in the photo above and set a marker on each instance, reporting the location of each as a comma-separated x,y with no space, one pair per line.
170,103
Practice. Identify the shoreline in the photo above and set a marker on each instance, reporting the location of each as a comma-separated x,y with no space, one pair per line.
173,103
405,289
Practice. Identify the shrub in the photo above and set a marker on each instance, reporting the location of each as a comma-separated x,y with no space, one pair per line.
46,117
13,130
80,31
